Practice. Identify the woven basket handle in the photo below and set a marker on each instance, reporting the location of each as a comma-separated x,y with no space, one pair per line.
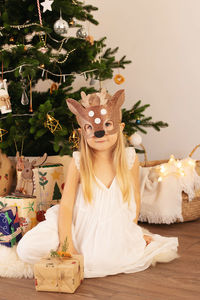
195,148
145,154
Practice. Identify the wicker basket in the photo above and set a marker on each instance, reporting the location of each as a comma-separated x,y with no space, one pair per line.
190,209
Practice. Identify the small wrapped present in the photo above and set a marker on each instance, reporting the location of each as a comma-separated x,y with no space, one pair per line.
10,231
59,274
6,174
26,210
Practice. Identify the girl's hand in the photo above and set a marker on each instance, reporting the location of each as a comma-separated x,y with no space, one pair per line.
148,239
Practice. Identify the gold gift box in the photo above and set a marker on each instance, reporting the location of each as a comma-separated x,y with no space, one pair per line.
62,275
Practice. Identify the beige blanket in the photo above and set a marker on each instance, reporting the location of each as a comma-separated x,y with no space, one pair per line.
161,201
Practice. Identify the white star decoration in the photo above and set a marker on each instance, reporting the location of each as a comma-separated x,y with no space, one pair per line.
47,5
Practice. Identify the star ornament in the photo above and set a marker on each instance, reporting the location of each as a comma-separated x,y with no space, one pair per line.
47,5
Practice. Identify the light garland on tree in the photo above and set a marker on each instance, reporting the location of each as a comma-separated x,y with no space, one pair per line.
22,26
47,71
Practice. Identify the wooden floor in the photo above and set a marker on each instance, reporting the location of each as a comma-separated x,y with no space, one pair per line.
176,280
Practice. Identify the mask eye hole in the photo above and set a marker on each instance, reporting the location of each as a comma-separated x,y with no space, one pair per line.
109,125
88,128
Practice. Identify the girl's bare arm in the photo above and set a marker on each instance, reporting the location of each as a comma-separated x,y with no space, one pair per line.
136,185
67,205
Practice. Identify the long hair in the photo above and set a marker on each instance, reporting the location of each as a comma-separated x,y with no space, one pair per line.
119,158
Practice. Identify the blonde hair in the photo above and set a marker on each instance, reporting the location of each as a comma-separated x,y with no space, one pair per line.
119,158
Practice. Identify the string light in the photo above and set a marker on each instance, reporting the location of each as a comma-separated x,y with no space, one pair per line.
175,168
22,26
47,71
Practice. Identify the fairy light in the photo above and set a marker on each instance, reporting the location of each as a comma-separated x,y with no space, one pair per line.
47,71
175,168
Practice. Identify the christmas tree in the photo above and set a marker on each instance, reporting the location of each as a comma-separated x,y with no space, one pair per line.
56,192
47,39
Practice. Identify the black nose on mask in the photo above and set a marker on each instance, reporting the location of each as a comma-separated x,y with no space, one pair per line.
99,133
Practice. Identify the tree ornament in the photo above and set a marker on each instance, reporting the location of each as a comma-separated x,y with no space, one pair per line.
43,49
72,23
90,39
11,39
92,81
24,98
135,139
138,121
54,87
81,33
47,5
61,26
74,139
52,124
5,105
2,132
119,79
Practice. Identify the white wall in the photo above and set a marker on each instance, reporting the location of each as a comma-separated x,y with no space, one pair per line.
162,38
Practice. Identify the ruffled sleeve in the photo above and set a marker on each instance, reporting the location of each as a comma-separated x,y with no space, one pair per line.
130,155
76,156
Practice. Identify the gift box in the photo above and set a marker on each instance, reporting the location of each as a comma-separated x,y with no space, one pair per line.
10,231
6,174
26,210
49,184
59,274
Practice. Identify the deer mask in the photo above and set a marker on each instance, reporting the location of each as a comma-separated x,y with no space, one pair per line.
97,111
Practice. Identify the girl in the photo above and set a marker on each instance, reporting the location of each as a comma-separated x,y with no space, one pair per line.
101,200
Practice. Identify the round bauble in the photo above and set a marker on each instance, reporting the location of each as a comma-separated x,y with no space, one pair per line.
61,26
81,33
135,139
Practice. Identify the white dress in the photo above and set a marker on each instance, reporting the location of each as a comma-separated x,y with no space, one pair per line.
104,232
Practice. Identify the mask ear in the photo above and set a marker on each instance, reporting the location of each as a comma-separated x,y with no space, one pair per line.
118,98
75,107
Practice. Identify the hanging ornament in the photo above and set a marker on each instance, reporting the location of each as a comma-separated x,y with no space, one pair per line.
24,98
92,81
135,139
138,121
81,33
54,87
2,132
90,39
72,23
74,139
43,50
52,124
47,5
11,39
119,79
61,26
5,105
